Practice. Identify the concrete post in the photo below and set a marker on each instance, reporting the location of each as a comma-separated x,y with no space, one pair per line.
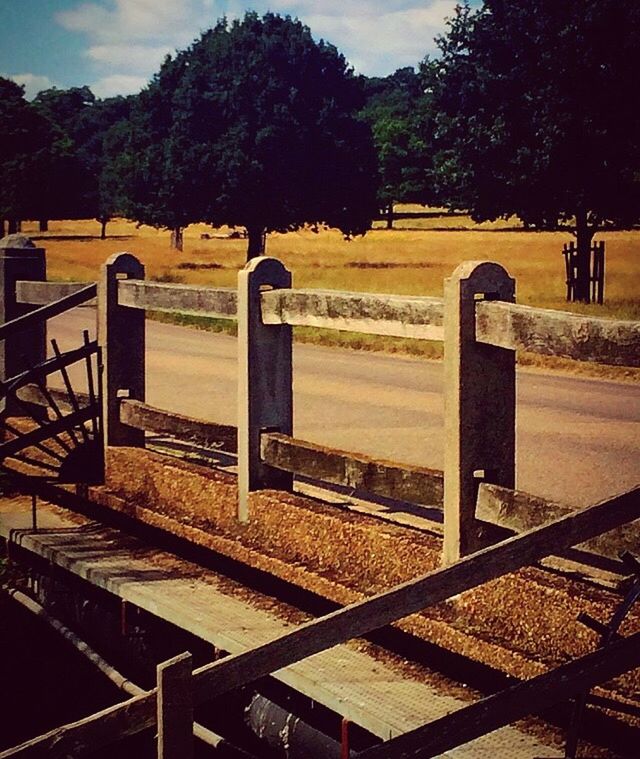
480,404
175,708
265,395
121,333
19,260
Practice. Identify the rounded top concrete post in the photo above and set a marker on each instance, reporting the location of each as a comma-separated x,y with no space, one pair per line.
10,244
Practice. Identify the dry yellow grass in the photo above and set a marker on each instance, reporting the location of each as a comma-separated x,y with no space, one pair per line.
398,261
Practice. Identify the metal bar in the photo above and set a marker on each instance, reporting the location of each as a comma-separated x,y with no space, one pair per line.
72,396
49,366
35,437
19,434
47,312
92,395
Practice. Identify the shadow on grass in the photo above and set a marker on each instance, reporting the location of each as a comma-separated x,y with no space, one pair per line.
80,238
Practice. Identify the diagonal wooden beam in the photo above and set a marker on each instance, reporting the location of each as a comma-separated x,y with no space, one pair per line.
513,703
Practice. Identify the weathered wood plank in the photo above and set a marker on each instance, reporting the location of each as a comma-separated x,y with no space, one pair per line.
142,416
513,703
47,312
220,302
372,313
558,333
42,293
520,512
362,617
175,708
398,481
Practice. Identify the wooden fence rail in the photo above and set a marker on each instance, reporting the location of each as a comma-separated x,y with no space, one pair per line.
482,328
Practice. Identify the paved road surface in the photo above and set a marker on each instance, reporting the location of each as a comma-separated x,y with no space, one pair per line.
578,440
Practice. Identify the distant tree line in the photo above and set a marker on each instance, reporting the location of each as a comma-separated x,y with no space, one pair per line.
528,109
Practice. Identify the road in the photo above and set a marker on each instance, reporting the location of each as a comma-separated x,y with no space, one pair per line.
577,439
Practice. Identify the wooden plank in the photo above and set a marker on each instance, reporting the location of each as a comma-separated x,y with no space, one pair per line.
47,312
398,481
218,302
175,708
375,314
42,293
142,416
520,512
415,595
558,333
513,703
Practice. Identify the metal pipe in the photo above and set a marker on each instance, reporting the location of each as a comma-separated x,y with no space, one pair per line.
119,680
284,731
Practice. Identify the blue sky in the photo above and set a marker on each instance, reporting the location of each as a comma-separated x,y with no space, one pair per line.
115,46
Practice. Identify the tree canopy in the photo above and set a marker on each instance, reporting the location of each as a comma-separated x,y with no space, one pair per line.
254,125
401,119
536,114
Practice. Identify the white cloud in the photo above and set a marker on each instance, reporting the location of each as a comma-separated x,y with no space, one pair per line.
131,58
376,43
118,84
128,39
33,83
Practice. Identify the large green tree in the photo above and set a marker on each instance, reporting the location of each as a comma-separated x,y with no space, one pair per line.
25,148
73,172
254,125
537,114
401,119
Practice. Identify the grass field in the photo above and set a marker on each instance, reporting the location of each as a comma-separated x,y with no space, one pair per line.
397,261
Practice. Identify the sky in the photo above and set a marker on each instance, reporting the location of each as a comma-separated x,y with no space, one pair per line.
115,46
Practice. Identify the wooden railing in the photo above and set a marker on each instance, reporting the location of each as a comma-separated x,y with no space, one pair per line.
482,328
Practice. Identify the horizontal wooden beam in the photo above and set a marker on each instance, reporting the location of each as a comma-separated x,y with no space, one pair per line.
558,333
342,625
43,313
519,512
216,302
144,417
371,313
398,481
42,293
511,704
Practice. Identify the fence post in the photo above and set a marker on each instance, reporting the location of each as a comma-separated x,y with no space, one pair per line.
175,708
265,396
480,403
19,260
122,337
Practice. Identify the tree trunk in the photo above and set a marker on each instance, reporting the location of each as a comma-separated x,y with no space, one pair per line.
12,226
18,225
177,238
103,227
584,235
43,225
390,216
257,241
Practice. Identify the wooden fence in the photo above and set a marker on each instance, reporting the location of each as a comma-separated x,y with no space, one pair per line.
482,328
